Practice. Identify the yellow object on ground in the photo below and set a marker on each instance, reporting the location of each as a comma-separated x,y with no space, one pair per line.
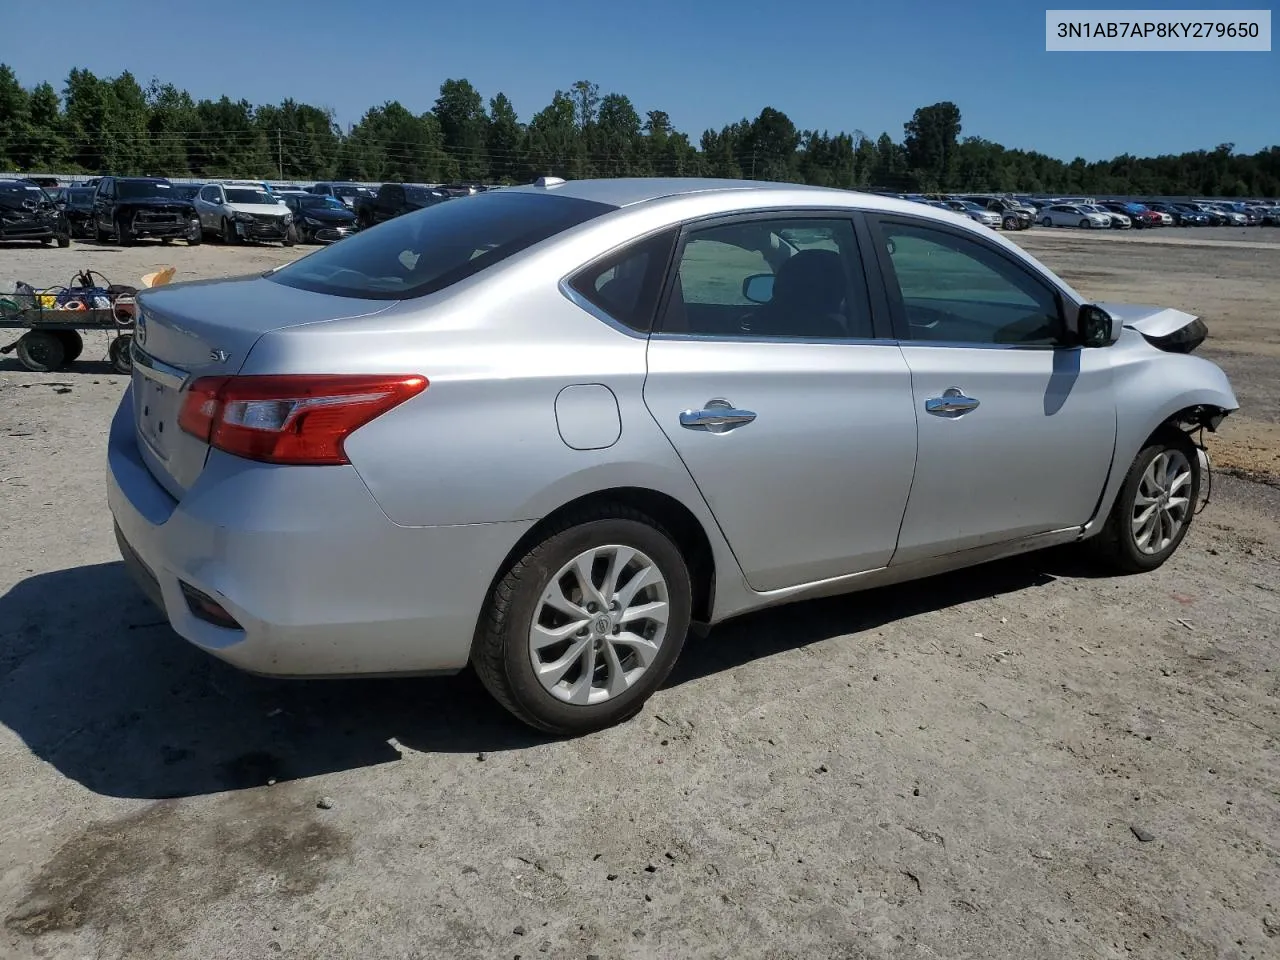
158,278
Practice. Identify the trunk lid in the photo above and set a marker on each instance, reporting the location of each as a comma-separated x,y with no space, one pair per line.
207,328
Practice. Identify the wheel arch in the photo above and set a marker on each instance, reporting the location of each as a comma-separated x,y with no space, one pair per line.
1201,407
684,526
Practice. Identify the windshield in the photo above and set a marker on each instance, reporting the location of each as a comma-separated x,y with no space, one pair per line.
249,195
80,195
16,196
422,195
425,251
185,191
316,201
347,190
968,204
138,189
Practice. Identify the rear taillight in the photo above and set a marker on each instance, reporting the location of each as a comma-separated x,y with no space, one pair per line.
297,419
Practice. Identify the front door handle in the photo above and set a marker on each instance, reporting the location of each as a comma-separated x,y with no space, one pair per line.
953,402
717,416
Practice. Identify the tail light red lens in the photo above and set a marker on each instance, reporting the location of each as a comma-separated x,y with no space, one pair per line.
295,419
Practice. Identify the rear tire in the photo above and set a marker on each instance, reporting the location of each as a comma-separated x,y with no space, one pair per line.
72,344
121,358
1085,224
1046,222
1148,520
610,672
41,351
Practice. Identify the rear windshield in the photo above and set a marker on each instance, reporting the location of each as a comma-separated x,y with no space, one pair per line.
426,251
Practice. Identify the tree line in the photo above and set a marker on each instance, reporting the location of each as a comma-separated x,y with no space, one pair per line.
115,125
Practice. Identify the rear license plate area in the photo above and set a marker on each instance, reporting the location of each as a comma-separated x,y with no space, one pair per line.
155,413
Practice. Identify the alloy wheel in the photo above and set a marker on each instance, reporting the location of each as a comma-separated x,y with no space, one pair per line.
1162,503
599,625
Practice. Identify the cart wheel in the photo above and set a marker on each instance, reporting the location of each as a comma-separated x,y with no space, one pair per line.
72,344
41,351
121,358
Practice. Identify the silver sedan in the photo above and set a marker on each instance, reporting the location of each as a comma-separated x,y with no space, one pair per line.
548,430
1073,215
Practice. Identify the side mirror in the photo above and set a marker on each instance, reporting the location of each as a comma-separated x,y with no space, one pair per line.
1095,327
758,288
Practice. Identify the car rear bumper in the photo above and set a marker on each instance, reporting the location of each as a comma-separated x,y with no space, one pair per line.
319,581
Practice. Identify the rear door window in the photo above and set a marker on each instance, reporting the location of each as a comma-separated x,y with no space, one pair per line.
422,252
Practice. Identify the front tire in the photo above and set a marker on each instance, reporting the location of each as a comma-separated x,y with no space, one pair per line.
41,351
580,631
195,232
229,232
1155,505
1046,222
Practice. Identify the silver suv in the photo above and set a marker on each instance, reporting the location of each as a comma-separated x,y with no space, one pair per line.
243,210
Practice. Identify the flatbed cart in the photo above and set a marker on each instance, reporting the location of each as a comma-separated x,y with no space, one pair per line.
53,320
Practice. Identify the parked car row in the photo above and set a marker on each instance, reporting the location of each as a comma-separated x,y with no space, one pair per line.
1017,212
126,209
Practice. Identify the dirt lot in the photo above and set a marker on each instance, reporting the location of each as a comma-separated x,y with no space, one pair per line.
956,768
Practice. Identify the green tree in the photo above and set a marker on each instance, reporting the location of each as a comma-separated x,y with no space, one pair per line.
15,135
931,140
463,124
503,141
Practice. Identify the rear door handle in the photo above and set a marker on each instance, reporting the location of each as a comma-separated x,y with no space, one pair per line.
717,416
951,403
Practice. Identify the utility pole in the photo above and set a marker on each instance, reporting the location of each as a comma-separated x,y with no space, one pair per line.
279,153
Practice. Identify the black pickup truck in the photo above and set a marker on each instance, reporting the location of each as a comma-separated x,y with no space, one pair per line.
127,208
394,199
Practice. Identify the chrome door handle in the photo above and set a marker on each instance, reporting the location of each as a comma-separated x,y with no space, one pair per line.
718,415
952,401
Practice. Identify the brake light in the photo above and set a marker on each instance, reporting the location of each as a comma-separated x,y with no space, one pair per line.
295,419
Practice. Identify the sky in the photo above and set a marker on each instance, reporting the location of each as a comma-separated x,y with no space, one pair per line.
827,65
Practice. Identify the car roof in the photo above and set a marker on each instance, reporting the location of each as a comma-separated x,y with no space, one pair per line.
629,191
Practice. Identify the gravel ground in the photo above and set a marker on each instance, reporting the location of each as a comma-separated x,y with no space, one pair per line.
1022,761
